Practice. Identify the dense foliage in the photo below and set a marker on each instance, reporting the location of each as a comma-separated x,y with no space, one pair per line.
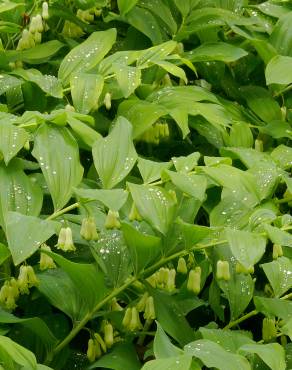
145,184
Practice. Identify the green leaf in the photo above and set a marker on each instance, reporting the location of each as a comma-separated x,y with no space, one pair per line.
112,255
128,78
278,236
279,274
150,170
239,291
60,166
279,70
39,54
17,353
282,154
18,192
9,5
25,234
230,340
87,55
274,307
182,362
144,249
113,199
86,134
186,164
49,84
115,155
4,253
220,51
213,355
71,289
261,102
155,205
248,248
8,82
191,184
173,70
126,5
135,109
281,37
145,22
12,139
123,356
272,354
36,325
86,89
240,135
171,317
162,346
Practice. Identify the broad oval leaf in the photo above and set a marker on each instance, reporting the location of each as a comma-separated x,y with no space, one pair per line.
18,192
155,204
25,234
213,355
248,248
61,168
144,249
12,139
85,90
87,55
113,199
115,155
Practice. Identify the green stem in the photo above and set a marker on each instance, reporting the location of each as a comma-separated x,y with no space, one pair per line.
242,318
287,296
90,315
284,200
62,211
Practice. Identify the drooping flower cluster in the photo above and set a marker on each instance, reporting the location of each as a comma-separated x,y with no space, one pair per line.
12,288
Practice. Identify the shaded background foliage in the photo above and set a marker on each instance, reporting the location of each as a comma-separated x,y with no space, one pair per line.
167,125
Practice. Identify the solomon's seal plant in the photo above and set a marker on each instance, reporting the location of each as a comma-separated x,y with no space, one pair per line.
145,184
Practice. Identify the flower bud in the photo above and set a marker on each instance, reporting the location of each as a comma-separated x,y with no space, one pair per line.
167,80
14,286
22,280
269,330
112,220
258,145
108,101
39,23
162,276
170,282
240,269
33,25
115,306
91,353
135,323
45,10
100,341
69,108
4,293
88,229
37,37
46,262
10,301
97,348
127,317
65,240
32,279
182,266
142,302
194,280
108,335
223,272
152,280
149,313
277,251
134,214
